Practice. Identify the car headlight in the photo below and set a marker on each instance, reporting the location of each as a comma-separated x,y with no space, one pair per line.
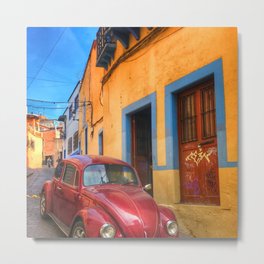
107,231
172,228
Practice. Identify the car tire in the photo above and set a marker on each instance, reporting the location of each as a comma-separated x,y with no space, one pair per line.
43,204
78,230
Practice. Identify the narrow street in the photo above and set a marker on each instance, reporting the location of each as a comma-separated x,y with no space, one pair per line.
36,226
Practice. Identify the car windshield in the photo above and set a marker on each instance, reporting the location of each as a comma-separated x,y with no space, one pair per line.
109,174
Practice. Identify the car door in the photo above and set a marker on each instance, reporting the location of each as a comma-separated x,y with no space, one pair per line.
59,171
69,194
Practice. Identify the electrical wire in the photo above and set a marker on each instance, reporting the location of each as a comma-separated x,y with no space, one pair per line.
48,80
58,102
54,73
151,44
47,57
45,107
142,43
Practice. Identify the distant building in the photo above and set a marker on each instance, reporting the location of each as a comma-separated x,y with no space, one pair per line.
44,140
34,142
52,134
71,118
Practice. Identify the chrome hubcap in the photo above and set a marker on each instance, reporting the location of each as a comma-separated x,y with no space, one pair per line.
78,232
42,204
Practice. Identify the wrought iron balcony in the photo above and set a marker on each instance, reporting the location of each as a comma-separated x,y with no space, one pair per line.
122,34
106,42
106,46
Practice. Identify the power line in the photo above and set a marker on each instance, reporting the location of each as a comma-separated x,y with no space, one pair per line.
57,102
50,107
151,44
54,73
47,57
45,107
55,85
48,80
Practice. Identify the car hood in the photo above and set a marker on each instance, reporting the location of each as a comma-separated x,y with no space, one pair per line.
134,210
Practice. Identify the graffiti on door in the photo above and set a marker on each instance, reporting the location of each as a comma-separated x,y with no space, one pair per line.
198,156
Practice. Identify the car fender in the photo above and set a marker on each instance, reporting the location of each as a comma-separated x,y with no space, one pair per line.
47,189
166,215
93,218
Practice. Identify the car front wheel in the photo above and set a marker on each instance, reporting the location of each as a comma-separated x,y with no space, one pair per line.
78,230
43,205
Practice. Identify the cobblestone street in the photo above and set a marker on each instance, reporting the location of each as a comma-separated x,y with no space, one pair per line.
36,226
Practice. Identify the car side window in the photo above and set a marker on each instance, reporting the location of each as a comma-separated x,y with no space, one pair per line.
58,170
69,174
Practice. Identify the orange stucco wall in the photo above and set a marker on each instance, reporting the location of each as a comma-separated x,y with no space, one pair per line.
91,91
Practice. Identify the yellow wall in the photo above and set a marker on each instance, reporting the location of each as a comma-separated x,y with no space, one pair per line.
201,221
91,91
34,156
173,54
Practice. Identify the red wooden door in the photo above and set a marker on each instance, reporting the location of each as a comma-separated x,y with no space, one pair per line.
141,146
198,145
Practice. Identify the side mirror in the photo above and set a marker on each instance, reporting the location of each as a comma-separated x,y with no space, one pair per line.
148,187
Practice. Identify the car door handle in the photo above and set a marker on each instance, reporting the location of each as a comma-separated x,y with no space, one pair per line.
59,188
77,197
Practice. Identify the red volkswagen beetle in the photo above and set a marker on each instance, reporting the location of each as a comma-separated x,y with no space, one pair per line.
97,196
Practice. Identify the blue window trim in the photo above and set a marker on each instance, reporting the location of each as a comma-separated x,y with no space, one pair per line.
149,100
172,150
100,133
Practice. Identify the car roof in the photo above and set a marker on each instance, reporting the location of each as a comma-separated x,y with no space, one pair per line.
85,160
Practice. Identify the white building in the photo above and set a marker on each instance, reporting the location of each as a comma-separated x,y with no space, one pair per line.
71,117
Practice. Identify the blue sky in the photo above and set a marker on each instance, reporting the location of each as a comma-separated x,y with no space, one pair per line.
56,58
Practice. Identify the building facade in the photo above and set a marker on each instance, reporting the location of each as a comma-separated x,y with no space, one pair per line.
44,140
52,135
34,142
70,118
91,107
167,101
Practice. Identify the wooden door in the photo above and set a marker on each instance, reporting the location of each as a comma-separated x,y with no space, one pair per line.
198,145
141,145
